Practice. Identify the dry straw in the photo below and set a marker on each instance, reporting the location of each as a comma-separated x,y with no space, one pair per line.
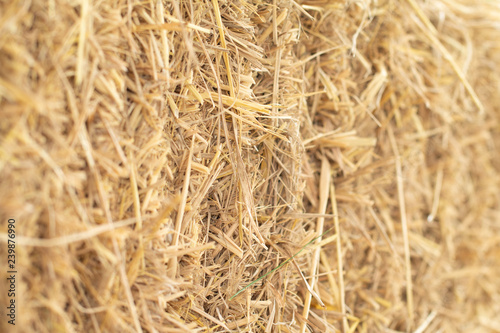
159,156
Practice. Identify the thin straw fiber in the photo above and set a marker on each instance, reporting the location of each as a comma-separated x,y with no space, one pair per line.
342,157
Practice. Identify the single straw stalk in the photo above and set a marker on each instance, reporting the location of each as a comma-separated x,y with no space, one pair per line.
404,227
325,178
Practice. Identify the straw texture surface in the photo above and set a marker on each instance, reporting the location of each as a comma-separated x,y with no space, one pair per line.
159,156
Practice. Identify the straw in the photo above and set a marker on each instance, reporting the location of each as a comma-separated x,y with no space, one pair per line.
165,161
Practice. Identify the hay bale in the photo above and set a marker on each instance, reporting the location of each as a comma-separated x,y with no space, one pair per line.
158,157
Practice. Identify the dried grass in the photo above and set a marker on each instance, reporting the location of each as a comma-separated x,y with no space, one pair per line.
158,156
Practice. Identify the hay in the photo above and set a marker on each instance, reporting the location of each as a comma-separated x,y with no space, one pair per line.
159,156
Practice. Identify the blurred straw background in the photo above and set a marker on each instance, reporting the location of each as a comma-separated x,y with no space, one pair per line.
158,156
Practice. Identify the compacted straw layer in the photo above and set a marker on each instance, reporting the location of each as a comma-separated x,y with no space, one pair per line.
161,156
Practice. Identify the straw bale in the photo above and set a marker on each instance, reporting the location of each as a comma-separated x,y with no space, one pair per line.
159,156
